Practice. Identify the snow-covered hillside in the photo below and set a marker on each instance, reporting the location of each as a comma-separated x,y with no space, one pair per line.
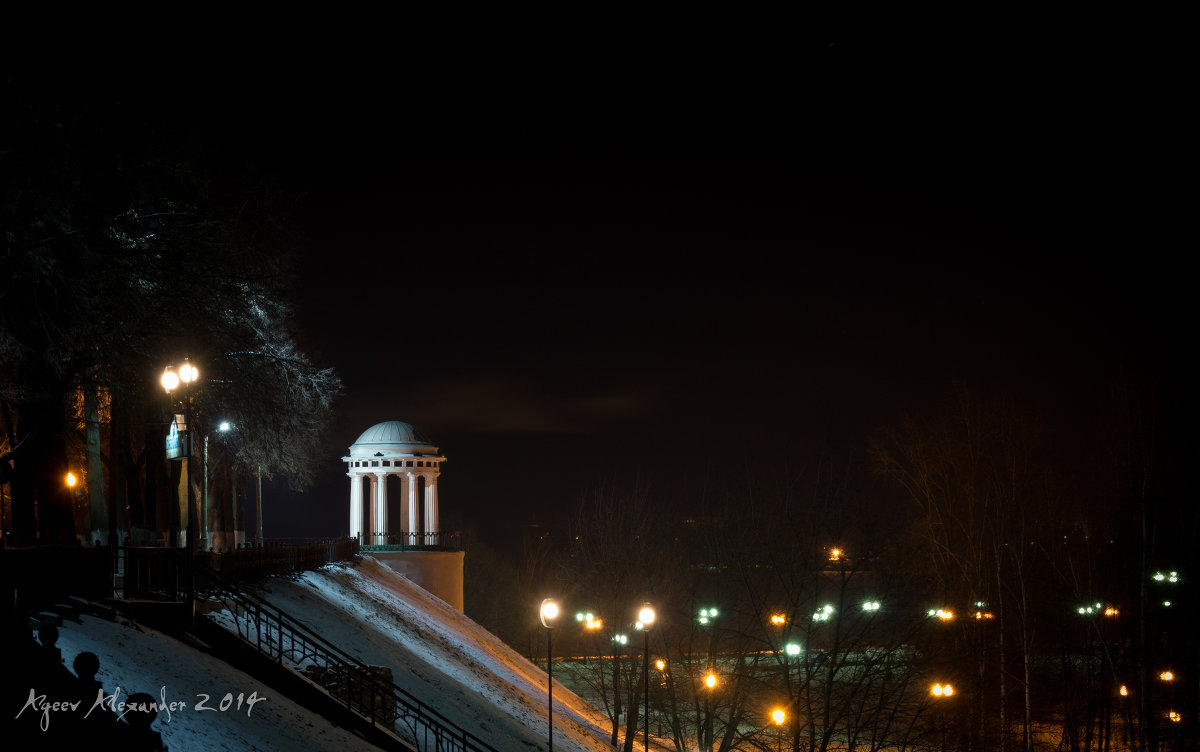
370,611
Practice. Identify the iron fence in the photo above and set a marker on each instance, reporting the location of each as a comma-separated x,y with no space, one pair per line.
365,690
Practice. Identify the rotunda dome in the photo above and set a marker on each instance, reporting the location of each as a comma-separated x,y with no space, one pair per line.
391,438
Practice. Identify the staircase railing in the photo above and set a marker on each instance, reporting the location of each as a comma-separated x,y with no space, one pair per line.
360,688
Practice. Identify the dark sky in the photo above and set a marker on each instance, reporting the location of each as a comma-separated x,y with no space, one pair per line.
565,273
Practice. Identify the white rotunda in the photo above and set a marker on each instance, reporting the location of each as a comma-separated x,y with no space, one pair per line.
394,472
394,450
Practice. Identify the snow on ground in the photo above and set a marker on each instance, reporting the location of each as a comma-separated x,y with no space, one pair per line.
438,655
138,659
373,613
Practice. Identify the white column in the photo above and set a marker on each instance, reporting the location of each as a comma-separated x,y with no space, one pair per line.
355,504
405,517
381,520
431,508
372,527
413,510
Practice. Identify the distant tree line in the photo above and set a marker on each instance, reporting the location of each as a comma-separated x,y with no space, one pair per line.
991,577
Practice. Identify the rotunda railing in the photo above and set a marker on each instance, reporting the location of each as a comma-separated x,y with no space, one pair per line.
410,541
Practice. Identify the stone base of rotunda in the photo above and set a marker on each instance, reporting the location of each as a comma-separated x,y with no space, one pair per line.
438,572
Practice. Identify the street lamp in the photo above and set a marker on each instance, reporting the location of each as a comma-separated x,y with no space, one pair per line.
171,380
778,716
225,426
942,692
548,613
645,620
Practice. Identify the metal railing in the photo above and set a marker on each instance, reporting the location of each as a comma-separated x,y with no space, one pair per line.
411,541
280,557
157,573
152,573
363,689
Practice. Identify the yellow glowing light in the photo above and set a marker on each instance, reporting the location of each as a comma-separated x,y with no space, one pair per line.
778,716
71,480
835,554
1166,676
660,664
1111,611
548,612
1174,717
1124,691
710,680
778,619
169,380
941,690
188,373
944,614
646,615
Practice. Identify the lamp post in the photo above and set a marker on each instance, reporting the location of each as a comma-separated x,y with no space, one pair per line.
941,692
548,613
779,716
645,620
224,427
170,381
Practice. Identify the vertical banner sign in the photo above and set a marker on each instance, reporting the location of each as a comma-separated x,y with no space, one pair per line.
174,450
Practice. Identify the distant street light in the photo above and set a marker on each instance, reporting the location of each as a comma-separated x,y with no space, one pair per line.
645,619
548,613
778,716
590,621
942,691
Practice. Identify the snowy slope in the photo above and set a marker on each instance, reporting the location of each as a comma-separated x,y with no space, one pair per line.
375,614
138,659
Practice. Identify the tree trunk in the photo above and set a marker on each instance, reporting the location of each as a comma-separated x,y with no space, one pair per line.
616,716
97,505
631,725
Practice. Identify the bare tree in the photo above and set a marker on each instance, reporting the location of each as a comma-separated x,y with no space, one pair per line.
123,258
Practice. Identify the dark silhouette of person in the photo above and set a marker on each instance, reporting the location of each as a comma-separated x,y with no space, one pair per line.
92,722
86,684
136,734
19,678
51,676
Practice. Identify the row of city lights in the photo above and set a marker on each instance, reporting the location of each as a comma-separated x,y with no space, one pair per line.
646,617
707,616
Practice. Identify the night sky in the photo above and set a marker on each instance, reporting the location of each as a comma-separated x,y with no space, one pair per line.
568,273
